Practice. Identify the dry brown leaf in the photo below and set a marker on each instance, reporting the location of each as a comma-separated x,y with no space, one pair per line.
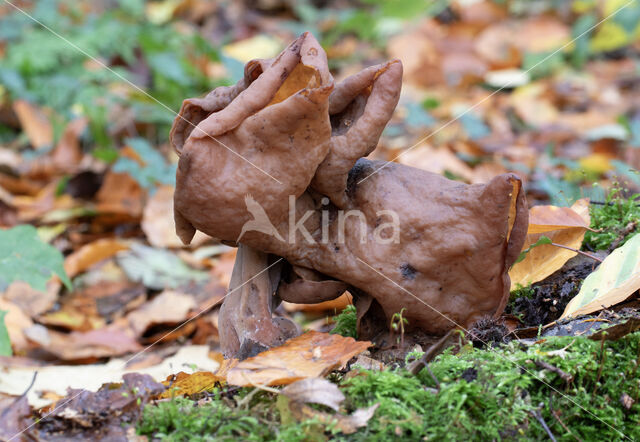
102,343
563,225
31,301
312,354
316,391
169,307
120,196
158,223
16,416
67,154
348,424
16,322
549,218
92,253
34,123
184,384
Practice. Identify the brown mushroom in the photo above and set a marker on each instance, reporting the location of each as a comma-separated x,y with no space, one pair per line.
275,164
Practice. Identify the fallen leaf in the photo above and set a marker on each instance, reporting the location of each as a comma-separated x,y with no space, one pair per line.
17,373
68,153
24,257
316,391
15,322
103,415
120,197
16,416
31,301
158,224
549,218
617,278
101,343
184,384
34,123
157,268
169,307
312,354
562,225
92,253
347,424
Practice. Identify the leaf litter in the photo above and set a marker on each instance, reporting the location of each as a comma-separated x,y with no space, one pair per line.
91,170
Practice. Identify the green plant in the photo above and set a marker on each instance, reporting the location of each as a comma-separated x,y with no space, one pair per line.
614,222
397,323
493,395
182,419
346,323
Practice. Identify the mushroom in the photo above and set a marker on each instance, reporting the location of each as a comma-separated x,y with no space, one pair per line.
275,165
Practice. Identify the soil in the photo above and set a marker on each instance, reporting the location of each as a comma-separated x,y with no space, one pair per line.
551,295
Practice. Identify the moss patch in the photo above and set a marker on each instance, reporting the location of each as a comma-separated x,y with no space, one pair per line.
473,395
615,221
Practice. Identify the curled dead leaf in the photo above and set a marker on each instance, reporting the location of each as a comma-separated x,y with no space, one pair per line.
316,391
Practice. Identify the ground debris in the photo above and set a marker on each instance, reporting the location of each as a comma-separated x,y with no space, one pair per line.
103,415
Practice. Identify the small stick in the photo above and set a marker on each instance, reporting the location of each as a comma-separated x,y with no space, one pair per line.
563,374
600,366
555,414
33,381
589,255
539,418
433,376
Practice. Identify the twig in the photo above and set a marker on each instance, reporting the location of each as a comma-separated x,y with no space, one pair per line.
600,365
623,234
555,414
539,418
589,255
563,374
33,381
435,379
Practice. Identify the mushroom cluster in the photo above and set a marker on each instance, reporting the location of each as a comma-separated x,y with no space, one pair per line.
274,165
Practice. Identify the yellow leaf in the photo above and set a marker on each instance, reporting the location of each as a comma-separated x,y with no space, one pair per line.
596,162
609,36
183,384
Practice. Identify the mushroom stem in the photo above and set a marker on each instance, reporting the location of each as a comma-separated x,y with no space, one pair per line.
246,322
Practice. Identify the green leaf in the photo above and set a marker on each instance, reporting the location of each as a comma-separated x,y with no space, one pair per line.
543,240
155,171
24,257
474,126
617,278
5,343
157,268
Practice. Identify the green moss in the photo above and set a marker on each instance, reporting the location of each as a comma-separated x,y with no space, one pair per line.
346,322
612,221
484,395
479,395
182,419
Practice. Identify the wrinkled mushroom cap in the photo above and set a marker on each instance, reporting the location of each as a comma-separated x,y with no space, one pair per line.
284,134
